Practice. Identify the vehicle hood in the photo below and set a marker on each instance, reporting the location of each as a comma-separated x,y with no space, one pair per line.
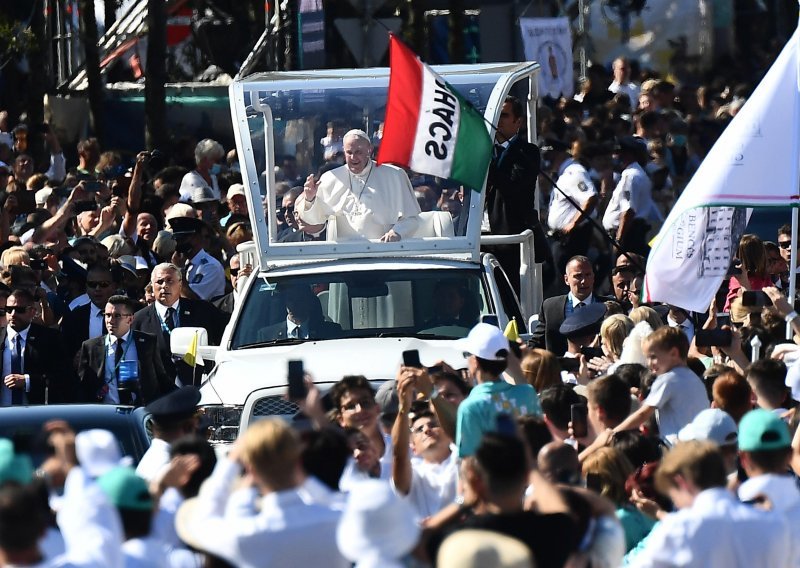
239,373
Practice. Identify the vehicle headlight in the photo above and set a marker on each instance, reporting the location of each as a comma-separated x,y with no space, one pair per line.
223,422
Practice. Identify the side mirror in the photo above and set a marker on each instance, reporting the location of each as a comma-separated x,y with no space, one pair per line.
181,339
533,321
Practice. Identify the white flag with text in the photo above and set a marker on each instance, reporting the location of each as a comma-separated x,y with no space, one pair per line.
753,164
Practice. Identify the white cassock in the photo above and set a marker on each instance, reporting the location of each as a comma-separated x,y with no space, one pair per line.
365,205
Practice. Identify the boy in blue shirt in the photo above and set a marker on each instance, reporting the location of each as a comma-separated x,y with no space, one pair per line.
486,350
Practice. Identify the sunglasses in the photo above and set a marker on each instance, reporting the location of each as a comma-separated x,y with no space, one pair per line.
234,271
19,309
785,244
98,284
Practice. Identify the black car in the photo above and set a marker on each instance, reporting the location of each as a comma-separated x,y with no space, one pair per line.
24,424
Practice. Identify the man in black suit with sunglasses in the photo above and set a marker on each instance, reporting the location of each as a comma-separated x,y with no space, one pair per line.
86,322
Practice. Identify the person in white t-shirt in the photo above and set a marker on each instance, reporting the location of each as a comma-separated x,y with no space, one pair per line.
428,480
622,81
677,395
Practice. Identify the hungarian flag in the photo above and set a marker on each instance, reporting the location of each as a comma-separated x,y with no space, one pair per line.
429,127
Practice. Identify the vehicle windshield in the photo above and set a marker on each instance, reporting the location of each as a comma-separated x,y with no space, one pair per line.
441,304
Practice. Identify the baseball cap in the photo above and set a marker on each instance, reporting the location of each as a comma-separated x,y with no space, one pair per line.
43,195
711,424
387,398
97,451
761,430
125,489
474,548
235,189
13,466
484,341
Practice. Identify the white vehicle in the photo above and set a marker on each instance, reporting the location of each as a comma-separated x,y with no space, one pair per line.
376,299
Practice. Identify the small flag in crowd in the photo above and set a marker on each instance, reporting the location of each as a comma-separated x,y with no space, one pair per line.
429,127
190,358
512,331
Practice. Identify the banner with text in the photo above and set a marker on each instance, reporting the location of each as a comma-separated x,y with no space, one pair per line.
548,41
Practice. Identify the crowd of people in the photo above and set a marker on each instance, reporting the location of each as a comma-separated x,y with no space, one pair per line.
619,434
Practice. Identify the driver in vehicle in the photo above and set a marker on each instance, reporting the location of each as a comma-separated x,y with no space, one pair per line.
368,200
449,300
304,318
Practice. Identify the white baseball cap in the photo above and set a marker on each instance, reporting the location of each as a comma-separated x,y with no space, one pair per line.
712,424
485,341
235,189
98,452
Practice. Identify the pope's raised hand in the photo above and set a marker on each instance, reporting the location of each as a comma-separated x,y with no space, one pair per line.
310,188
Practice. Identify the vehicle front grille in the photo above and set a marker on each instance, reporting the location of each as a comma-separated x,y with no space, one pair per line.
274,406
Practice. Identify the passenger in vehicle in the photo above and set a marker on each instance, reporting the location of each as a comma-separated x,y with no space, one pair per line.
450,306
368,200
304,318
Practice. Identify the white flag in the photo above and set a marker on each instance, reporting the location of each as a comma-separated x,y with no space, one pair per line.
753,164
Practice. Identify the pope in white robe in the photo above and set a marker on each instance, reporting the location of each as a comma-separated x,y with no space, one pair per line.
366,200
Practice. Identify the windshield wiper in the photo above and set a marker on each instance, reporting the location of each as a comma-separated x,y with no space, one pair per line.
415,335
281,341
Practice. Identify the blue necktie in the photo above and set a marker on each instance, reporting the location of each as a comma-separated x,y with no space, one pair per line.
17,395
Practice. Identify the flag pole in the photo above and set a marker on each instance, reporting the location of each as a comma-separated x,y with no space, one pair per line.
569,198
793,249
792,270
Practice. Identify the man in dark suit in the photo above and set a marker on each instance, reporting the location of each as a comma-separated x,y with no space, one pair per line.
122,367
170,311
511,192
304,318
34,370
86,322
227,302
580,279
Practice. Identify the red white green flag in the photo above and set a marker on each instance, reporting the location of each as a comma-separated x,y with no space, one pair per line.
429,127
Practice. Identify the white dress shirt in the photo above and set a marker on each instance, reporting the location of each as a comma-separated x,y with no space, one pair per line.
718,531
161,310
631,89
9,347
97,322
687,327
129,353
294,330
79,301
154,460
286,532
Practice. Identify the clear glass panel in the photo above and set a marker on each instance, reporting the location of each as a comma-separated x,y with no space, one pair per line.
308,126
432,303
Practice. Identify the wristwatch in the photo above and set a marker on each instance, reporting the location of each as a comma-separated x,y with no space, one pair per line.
790,317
